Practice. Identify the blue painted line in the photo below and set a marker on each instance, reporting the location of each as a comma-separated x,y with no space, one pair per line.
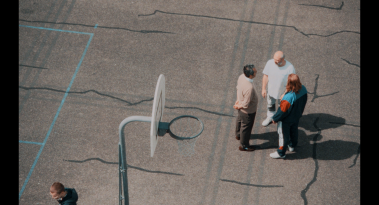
60,106
52,29
27,142
96,26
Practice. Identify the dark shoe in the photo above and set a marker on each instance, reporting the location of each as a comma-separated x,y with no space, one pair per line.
247,149
238,138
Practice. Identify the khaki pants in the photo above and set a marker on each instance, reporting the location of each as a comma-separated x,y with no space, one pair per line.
244,125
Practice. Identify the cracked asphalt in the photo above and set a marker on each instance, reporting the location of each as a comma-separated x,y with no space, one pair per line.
84,66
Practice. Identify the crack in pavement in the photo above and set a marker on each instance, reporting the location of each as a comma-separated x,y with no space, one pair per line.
339,8
339,123
83,92
254,22
314,156
122,100
215,113
355,160
97,26
343,31
31,66
129,166
247,184
351,63
315,90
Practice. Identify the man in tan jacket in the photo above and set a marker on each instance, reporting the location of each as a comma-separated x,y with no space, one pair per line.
246,104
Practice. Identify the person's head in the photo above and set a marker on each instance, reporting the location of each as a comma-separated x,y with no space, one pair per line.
250,71
57,190
279,58
293,83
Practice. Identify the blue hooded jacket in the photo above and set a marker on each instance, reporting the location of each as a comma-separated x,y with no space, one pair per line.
292,106
70,199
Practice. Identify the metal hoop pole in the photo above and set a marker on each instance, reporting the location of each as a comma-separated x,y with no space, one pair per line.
119,175
122,156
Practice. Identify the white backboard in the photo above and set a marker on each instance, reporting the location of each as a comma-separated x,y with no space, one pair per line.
157,113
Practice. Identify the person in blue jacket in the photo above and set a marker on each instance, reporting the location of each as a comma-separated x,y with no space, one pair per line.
64,196
291,109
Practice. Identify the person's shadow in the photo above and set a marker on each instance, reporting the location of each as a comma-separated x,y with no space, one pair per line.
327,150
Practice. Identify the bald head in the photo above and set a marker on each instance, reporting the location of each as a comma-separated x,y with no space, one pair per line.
279,58
279,54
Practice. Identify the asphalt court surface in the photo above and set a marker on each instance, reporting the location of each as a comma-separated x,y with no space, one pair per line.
84,66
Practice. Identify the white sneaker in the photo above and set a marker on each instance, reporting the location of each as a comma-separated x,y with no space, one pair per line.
291,149
267,121
276,155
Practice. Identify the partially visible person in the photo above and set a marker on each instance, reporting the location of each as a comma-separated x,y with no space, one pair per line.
64,196
288,115
246,104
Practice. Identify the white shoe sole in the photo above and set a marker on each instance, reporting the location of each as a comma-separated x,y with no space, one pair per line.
266,123
275,155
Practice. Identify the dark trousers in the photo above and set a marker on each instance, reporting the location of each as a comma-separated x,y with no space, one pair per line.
244,125
290,136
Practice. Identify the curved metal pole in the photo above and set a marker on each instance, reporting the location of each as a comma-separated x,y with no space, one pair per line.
122,156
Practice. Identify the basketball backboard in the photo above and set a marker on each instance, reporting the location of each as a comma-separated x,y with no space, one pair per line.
157,112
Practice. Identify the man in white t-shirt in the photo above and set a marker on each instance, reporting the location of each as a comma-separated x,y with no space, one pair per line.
275,74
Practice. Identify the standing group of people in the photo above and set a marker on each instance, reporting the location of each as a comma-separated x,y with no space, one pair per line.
280,85
284,87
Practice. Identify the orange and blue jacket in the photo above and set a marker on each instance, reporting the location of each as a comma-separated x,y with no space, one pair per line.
292,106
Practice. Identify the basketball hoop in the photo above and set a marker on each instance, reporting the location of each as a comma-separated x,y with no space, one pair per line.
185,129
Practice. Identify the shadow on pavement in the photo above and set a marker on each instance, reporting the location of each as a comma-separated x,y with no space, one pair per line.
327,150
325,121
